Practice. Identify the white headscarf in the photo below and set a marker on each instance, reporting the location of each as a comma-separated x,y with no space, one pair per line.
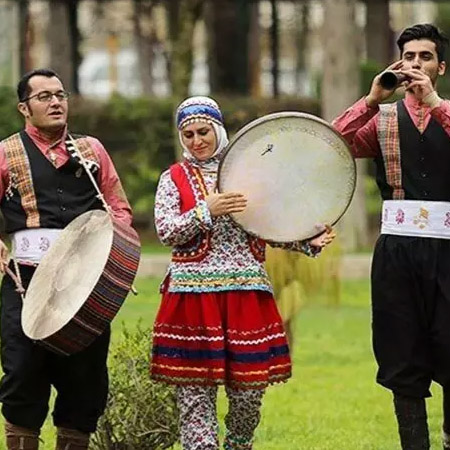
202,109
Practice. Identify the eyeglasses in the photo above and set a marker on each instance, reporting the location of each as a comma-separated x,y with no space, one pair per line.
46,96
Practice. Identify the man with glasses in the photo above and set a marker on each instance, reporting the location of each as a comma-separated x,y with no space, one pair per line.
43,187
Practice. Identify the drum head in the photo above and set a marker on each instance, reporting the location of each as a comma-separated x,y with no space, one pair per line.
296,172
67,274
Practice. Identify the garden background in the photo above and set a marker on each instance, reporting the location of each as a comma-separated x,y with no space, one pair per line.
128,63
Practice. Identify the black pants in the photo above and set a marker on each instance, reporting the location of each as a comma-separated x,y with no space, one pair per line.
81,380
411,313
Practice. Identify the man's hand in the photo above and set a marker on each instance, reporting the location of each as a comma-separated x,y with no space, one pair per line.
323,239
377,92
4,255
220,204
419,83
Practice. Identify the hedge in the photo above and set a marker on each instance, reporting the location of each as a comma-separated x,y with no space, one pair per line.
140,134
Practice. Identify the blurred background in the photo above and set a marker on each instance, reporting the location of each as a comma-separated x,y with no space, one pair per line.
129,62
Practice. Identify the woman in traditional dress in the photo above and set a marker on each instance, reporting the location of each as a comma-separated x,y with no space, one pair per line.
218,322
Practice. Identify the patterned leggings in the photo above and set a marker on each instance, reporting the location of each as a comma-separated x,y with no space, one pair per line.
198,417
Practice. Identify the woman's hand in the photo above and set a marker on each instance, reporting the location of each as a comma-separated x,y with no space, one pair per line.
220,204
323,239
4,255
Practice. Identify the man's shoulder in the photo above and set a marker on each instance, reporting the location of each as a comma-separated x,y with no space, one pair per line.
87,137
10,138
91,141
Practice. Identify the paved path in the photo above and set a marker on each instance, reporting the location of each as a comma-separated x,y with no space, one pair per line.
353,266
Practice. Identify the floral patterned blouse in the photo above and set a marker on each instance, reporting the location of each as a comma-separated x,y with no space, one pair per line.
230,263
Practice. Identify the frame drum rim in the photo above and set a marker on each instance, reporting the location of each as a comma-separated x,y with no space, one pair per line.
290,115
31,297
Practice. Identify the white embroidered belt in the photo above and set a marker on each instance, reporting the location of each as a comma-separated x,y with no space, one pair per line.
416,218
29,246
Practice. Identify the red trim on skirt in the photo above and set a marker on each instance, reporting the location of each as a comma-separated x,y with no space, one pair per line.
234,338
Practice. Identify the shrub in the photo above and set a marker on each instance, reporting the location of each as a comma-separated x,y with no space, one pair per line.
140,134
10,118
140,414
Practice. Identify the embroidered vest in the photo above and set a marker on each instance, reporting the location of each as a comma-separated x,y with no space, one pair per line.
192,188
413,166
39,194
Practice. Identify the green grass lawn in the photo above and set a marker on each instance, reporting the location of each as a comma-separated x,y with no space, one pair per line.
155,248
332,401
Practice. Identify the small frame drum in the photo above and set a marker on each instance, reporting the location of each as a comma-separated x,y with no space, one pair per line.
81,282
296,172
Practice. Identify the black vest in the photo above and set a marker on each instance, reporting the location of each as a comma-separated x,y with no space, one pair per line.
425,161
61,194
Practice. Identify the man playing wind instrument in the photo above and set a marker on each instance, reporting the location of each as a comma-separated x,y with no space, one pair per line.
409,141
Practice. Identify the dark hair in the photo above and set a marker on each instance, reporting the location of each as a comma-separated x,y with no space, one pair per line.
23,87
424,31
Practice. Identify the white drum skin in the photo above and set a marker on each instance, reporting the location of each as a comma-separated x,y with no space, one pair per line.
296,172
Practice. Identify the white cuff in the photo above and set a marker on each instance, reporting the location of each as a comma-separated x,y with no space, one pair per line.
203,216
433,100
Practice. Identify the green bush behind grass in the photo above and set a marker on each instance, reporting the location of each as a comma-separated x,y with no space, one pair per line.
140,414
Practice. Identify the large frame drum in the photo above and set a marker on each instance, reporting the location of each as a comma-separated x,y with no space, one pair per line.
296,172
81,283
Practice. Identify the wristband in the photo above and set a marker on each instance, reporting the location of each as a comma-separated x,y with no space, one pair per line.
433,100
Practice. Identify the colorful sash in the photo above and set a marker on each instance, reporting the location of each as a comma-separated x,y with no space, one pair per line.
416,218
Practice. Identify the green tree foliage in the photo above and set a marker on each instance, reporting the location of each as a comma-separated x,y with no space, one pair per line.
443,22
138,135
140,414
10,119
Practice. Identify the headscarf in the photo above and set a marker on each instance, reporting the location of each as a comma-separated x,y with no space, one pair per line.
202,109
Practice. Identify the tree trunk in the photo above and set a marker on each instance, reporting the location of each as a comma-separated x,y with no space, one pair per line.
183,16
144,36
229,25
75,37
25,36
379,35
340,88
63,38
254,51
301,43
274,47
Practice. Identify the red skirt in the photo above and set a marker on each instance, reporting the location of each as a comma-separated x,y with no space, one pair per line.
234,338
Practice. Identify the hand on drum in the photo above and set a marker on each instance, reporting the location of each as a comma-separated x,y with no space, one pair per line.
323,239
4,252
220,204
